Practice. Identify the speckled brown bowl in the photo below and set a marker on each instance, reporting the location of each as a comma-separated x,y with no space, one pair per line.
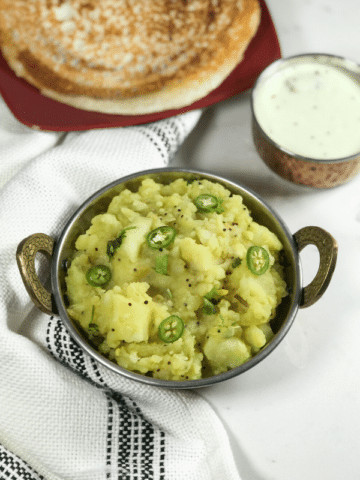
289,165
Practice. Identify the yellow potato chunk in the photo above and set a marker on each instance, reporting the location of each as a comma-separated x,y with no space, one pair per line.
124,317
225,353
135,237
255,336
198,256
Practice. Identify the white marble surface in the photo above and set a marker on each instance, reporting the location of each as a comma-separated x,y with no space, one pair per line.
296,415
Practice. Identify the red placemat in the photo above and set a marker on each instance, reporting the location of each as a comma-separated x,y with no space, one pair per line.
38,111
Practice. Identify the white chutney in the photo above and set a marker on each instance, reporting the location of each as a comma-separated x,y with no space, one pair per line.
311,109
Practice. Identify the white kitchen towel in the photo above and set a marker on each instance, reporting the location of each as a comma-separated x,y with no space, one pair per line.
62,415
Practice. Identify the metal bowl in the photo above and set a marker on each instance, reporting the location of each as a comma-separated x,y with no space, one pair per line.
61,249
291,165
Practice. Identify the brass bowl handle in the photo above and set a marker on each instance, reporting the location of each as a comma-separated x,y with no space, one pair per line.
328,248
25,256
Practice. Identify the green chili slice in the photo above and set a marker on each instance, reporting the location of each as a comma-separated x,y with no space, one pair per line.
208,203
98,276
257,259
161,237
171,329
161,264
113,245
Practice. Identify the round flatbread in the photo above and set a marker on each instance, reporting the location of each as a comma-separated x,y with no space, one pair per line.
126,56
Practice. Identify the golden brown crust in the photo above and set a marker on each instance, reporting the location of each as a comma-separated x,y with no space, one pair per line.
126,56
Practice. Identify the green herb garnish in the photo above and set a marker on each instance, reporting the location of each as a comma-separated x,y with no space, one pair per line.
241,300
236,262
161,264
113,245
190,181
208,307
212,294
93,328
210,300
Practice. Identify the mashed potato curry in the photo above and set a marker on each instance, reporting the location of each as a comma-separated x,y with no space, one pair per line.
176,281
